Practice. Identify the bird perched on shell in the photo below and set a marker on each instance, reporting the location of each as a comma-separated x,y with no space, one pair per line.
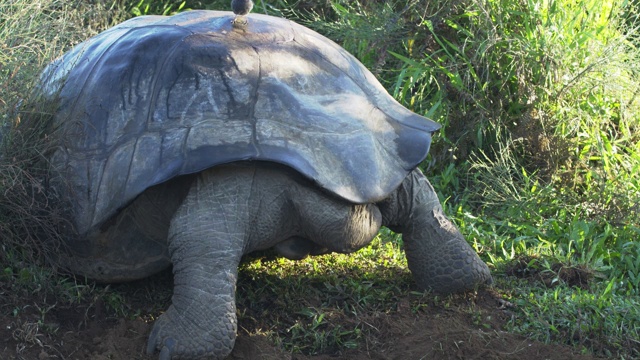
241,8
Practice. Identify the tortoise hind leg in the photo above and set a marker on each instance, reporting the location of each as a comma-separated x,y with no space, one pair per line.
206,241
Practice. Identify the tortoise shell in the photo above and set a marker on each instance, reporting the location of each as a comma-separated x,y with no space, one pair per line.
158,97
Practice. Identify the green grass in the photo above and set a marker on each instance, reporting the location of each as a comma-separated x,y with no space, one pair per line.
324,296
594,320
538,161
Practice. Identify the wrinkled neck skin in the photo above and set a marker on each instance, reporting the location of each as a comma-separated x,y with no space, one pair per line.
438,256
413,199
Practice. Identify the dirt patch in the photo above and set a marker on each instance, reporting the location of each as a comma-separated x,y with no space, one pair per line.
532,267
464,328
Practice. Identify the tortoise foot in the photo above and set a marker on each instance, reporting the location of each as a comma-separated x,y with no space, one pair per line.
176,338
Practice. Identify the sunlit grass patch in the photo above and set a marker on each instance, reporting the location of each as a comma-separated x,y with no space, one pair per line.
323,297
368,278
572,281
595,320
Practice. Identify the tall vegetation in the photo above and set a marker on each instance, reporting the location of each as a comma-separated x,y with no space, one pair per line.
539,155
538,160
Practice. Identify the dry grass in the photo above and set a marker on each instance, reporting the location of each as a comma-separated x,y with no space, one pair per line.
31,35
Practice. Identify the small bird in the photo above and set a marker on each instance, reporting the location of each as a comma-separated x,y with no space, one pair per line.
241,8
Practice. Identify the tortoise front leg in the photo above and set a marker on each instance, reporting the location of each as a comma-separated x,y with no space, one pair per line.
206,241
438,256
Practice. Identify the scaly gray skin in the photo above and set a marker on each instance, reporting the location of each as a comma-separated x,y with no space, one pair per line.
438,256
235,209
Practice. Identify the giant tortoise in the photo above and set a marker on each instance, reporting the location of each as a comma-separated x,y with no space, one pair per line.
189,141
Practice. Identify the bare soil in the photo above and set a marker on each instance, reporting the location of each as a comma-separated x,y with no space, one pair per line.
468,327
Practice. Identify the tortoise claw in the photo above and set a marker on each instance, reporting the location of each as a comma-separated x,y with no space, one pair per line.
152,342
166,346
165,354
173,341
